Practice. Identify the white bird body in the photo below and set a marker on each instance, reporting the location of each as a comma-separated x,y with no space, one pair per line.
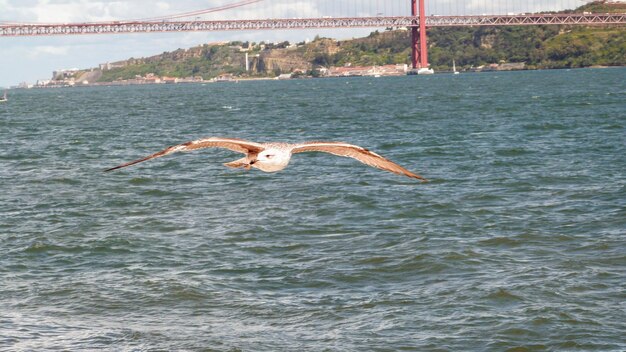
272,157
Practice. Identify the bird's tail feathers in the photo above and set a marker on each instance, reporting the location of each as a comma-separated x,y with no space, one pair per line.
239,163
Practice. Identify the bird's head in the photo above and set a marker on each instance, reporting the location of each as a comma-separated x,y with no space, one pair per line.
267,156
271,160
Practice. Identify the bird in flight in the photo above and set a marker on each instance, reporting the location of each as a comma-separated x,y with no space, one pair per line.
272,157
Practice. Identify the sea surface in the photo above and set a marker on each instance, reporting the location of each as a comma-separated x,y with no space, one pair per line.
517,243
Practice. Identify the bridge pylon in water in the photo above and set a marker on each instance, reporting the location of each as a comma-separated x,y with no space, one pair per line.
419,45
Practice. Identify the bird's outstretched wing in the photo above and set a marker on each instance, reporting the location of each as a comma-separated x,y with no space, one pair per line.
359,153
236,145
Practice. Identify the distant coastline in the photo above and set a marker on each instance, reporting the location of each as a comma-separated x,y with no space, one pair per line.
250,79
382,53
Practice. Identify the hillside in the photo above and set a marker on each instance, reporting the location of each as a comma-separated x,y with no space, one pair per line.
538,47
603,7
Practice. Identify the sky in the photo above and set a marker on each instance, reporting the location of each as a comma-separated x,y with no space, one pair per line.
28,59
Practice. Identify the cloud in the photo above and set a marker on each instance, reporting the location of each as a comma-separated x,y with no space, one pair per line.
111,10
502,7
47,50
61,11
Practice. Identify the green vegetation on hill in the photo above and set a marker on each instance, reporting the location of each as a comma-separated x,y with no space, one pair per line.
207,61
537,46
602,7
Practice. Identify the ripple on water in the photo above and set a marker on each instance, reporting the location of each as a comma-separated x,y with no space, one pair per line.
502,296
39,247
506,242
517,239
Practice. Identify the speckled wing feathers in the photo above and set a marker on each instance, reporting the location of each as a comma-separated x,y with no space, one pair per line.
236,145
359,153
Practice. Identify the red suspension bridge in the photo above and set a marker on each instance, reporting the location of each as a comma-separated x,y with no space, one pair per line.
418,15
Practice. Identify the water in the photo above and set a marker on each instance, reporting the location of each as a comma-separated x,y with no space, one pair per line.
517,243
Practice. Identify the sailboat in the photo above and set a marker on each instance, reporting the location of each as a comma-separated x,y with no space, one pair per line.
454,68
425,71
4,97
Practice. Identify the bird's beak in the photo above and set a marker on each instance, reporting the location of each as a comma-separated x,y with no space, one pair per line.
253,161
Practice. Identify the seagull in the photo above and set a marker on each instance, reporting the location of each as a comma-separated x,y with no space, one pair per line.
272,157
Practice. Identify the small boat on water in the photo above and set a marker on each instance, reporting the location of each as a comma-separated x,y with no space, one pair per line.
4,97
454,68
425,71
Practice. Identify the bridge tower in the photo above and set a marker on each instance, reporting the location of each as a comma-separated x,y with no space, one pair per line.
419,48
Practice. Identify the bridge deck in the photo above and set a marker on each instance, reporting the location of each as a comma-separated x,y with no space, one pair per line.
13,29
